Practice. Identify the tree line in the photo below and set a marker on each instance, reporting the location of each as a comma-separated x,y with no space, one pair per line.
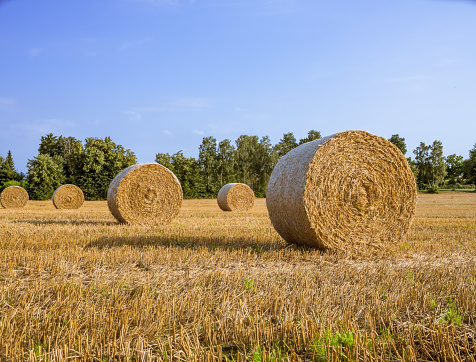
93,164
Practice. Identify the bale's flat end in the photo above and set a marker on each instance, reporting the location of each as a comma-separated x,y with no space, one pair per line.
14,197
146,193
68,197
235,196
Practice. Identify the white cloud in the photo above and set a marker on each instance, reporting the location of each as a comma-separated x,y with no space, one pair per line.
167,133
53,125
447,62
245,113
5,102
190,103
198,131
172,105
407,79
133,116
134,43
35,51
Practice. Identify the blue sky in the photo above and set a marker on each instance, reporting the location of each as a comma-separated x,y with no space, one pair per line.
159,75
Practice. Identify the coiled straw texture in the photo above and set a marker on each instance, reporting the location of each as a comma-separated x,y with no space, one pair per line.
235,196
146,193
14,197
345,191
68,197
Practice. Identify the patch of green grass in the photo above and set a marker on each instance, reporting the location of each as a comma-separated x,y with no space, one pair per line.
250,284
341,340
451,315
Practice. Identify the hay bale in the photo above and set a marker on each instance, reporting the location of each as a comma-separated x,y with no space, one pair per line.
68,197
235,196
14,197
344,191
145,193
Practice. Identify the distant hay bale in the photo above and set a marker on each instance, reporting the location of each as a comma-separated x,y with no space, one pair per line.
145,193
235,196
14,197
68,197
345,191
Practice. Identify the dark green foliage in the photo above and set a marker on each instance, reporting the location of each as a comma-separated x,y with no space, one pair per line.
433,189
208,161
45,175
101,162
469,166
91,167
286,144
430,163
312,135
454,167
399,142
225,161
187,171
7,170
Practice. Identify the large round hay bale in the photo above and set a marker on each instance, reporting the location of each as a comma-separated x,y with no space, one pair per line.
145,193
68,197
235,196
14,197
344,191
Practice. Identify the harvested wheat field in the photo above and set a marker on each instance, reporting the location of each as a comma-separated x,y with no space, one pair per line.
215,286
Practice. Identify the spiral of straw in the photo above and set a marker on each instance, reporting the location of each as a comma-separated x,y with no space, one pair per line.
235,196
68,197
345,191
145,193
14,197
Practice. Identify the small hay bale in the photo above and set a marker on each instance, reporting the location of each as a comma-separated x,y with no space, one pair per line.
345,191
14,197
235,196
68,197
145,193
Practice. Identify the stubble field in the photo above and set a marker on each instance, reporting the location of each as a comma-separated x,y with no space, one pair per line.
212,286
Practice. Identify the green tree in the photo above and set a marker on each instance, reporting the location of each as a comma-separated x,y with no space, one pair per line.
188,172
225,161
264,160
286,144
469,166
413,167
103,160
73,159
422,163
399,142
437,164
165,160
430,163
312,135
454,167
246,146
7,170
71,152
50,145
207,159
45,175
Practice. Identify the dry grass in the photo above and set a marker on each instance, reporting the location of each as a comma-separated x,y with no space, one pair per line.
77,284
